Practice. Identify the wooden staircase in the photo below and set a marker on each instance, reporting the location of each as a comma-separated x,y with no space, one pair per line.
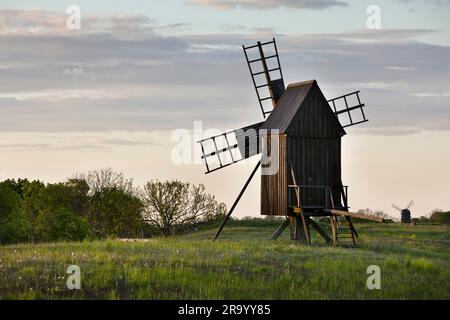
343,230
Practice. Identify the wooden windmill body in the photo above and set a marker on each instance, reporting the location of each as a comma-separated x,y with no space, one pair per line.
307,129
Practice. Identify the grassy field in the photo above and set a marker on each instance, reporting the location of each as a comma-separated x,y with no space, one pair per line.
243,264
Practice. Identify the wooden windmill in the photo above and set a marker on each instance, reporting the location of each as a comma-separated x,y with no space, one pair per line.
405,213
302,134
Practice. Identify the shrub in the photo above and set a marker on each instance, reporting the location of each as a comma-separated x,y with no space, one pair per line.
61,224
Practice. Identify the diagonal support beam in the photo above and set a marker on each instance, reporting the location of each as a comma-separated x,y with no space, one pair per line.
319,230
237,200
280,230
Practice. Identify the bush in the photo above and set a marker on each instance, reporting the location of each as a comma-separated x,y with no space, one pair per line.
61,224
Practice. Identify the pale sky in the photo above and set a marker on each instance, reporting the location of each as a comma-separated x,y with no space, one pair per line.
111,93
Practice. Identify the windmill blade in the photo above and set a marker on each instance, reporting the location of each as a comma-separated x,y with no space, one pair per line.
225,149
345,108
266,73
396,207
410,204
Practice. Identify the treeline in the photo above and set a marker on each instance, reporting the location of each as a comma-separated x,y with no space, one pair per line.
99,204
437,216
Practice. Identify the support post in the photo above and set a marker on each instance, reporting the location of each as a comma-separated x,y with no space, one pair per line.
237,200
280,230
334,228
299,229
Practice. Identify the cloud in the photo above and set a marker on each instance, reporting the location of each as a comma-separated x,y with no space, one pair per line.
268,4
436,3
233,27
79,141
101,80
35,22
399,68
432,94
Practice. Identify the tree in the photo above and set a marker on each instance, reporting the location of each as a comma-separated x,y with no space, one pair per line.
113,208
174,204
17,185
13,224
440,217
61,224
56,211
377,213
104,180
32,204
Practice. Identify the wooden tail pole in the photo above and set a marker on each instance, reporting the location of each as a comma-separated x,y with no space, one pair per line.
237,200
352,215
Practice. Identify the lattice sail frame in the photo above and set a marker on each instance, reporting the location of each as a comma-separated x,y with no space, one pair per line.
340,106
225,149
270,71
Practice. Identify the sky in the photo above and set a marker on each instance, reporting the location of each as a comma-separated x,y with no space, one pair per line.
112,93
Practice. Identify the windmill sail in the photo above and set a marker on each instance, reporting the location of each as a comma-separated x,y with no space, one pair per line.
225,149
265,69
345,108
410,205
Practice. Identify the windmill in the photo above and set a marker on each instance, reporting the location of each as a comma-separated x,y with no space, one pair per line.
405,213
301,133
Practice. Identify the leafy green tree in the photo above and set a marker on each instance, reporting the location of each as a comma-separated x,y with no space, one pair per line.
57,211
17,185
61,224
172,205
114,212
114,209
13,224
32,205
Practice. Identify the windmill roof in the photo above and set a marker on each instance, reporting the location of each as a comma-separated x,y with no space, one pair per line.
289,105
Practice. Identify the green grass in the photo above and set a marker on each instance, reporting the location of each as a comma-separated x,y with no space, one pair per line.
243,264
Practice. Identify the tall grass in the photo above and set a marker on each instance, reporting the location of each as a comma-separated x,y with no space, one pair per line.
243,264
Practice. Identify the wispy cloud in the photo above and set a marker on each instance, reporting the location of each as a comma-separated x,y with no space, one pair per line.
268,4
399,68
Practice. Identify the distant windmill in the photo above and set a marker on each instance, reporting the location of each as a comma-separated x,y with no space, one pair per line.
406,213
